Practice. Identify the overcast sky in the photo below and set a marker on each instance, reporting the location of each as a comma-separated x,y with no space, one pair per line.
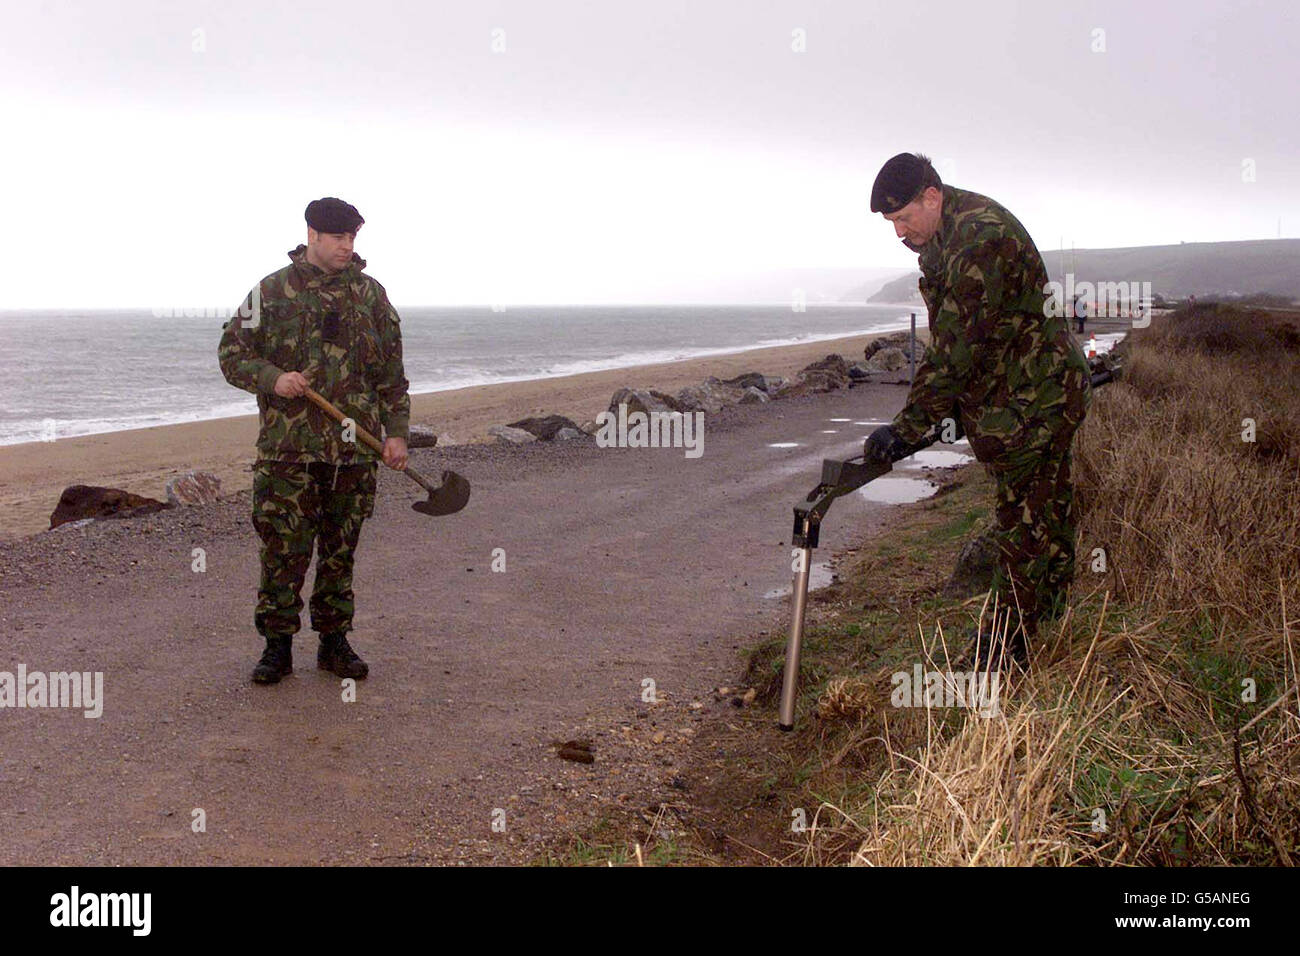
161,153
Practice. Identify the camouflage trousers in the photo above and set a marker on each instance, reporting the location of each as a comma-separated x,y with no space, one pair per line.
1036,519
297,506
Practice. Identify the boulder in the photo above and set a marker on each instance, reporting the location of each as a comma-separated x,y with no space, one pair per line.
832,365
421,436
693,398
894,340
91,501
568,434
724,392
511,436
670,400
711,395
975,566
825,375
546,428
887,360
754,396
193,488
645,400
699,398
791,390
747,380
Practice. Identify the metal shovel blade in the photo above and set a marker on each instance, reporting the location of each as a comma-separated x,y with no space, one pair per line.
448,498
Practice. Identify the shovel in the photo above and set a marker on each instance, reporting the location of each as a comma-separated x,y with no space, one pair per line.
444,499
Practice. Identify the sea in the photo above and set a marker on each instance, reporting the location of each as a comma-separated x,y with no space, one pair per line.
83,372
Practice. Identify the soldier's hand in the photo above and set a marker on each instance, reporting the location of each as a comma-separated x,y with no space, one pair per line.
884,446
291,385
395,453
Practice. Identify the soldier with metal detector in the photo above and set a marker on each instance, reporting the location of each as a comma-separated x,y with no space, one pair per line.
1000,365
1003,371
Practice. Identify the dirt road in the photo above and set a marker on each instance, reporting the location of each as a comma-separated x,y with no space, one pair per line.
621,566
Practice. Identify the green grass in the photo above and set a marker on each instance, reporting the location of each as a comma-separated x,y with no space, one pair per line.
958,528
599,848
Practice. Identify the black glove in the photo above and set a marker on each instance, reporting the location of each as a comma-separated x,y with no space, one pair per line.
884,446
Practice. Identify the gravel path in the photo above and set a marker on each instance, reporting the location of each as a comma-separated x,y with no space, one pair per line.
622,566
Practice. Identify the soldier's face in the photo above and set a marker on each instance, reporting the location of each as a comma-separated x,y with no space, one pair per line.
330,251
918,221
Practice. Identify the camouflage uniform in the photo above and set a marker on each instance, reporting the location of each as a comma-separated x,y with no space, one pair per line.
310,485
1016,381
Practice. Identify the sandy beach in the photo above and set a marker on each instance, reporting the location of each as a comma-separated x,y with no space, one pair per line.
141,460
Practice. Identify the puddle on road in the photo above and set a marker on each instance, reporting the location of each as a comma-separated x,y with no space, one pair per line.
819,576
905,488
830,431
912,485
871,423
897,491
839,420
784,444
936,458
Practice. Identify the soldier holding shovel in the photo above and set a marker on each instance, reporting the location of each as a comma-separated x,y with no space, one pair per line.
319,323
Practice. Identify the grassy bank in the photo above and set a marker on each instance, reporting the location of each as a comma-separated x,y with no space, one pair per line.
1159,721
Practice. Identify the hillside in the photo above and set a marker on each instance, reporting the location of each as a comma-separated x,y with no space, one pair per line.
903,289
1192,268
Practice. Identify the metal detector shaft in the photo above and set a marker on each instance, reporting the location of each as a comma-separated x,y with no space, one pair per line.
838,478
790,680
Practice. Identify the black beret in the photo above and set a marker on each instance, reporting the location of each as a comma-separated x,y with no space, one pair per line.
897,183
332,215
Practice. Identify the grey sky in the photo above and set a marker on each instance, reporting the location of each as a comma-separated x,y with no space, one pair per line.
161,153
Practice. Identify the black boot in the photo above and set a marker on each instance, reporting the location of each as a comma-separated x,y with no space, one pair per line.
337,655
276,662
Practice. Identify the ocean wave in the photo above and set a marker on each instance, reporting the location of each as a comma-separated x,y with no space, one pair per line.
167,410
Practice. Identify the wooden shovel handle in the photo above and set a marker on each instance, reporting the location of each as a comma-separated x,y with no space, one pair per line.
368,438
338,416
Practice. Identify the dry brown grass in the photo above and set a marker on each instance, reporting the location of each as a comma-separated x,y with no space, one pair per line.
1131,740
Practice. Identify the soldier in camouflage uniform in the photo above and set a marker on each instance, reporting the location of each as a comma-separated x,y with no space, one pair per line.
320,321
1009,374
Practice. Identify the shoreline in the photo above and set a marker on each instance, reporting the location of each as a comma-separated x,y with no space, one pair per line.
219,401
141,460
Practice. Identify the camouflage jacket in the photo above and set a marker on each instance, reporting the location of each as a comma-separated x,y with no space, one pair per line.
340,331
1012,375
